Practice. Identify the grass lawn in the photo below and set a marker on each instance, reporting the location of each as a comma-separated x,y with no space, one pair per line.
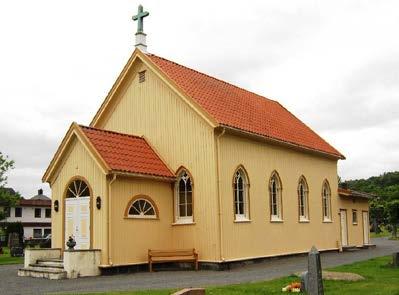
384,233
380,279
7,259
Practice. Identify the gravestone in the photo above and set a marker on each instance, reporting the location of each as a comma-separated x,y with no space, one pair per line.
312,280
14,243
395,260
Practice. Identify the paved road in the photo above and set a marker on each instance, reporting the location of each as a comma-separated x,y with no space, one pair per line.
10,283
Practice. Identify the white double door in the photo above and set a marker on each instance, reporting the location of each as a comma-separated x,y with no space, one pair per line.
77,221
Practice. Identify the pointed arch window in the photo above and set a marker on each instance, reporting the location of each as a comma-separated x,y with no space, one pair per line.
241,202
275,190
326,201
303,199
184,198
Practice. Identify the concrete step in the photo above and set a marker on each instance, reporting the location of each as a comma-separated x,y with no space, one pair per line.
49,264
50,260
350,248
34,272
46,267
369,246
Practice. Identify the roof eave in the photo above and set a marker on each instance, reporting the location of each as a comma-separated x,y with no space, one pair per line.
143,175
74,129
355,196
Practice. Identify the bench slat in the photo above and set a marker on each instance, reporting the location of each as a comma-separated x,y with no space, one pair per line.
180,258
184,255
162,254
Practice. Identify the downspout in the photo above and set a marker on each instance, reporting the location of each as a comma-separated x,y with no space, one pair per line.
109,219
219,194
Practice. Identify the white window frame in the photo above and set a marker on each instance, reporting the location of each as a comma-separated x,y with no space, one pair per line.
185,175
326,201
37,229
354,212
244,216
303,201
142,213
277,181
15,212
38,210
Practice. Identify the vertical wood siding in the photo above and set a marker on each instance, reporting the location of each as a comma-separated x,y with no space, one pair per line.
181,137
79,162
260,237
131,238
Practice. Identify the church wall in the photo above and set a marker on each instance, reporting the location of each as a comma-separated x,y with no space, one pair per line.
355,231
261,237
131,237
182,138
80,163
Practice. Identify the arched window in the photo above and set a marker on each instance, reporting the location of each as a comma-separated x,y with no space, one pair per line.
142,207
240,187
77,189
275,197
303,202
326,201
184,198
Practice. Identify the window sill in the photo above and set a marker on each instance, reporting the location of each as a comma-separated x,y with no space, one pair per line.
184,223
304,220
242,221
354,223
327,221
276,220
141,218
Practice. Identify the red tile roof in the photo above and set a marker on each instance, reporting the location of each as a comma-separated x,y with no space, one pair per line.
126,153
34,203
238,108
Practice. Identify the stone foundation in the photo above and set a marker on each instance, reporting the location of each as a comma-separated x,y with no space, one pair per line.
82,263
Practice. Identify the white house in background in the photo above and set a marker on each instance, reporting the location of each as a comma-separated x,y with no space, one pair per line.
34,214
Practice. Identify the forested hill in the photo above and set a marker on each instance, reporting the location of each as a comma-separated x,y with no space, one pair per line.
385,186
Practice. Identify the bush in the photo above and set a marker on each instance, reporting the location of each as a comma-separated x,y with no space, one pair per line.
14,227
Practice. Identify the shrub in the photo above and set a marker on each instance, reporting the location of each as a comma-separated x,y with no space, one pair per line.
14,227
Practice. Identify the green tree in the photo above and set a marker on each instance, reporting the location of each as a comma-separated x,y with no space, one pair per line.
7,196
386,188
377,215
393,216
5,165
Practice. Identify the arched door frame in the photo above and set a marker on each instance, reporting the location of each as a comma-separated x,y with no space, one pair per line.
77,177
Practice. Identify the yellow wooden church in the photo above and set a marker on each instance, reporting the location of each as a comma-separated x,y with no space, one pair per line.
176,159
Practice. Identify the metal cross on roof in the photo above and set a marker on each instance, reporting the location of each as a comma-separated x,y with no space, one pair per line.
139,17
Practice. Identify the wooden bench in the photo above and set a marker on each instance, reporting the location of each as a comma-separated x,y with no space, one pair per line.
182,255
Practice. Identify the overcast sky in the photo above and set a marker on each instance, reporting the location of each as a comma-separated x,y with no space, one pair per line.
334,64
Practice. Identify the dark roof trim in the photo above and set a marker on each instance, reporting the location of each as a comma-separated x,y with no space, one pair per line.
342,192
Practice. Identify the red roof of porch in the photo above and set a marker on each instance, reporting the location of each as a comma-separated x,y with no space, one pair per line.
127,153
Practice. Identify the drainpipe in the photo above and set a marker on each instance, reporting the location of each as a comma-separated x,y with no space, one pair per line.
109,219
219,194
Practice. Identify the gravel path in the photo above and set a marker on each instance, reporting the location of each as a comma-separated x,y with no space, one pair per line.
10,283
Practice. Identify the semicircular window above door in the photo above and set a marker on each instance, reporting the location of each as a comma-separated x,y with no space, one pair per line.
78,188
